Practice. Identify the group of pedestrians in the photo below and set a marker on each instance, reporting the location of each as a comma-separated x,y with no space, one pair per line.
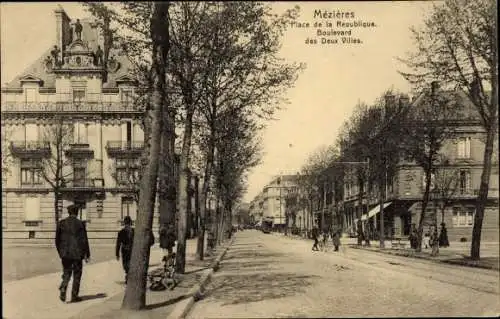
430,238
72,245
322,238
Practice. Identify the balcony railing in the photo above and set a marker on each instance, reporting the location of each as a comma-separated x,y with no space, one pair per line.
121,147
492,193
84,183
93,103
79,149
29,147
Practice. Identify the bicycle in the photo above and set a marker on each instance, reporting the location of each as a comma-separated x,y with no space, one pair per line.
165,277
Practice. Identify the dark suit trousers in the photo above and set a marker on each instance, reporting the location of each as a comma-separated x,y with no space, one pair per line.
126,261
72,267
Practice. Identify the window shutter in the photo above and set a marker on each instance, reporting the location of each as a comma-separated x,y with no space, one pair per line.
76,132
467,180
82,133
467,147
124,132
461,148
133,210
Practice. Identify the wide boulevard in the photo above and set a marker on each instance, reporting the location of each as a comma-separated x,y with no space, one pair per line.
267,275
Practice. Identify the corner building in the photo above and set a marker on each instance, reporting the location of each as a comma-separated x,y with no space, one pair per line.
92,93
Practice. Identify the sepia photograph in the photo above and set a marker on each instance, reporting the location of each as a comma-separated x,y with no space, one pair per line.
250,159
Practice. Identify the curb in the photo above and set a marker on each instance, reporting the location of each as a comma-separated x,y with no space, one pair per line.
195,293
444,261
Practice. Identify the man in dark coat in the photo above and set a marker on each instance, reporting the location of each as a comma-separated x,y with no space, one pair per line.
167,238
124,242
73,246
315,234
336,238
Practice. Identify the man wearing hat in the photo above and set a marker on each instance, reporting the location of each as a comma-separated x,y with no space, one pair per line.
73,246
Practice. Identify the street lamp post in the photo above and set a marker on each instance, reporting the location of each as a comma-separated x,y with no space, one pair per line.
279,186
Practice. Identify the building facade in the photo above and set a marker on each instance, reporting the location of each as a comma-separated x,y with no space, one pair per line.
70,117
463,155
270,204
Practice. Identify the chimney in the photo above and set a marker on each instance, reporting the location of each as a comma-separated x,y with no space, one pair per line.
404,101
434,87
390,103
63,32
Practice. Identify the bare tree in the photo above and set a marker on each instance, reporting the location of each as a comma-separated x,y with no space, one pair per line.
458,46
237,151
446,185
56,169
312,180
427,128
243,75
135,294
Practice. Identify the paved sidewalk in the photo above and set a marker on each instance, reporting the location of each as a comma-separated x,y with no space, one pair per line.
159,304
38,297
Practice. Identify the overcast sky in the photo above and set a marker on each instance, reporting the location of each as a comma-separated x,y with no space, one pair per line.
336,78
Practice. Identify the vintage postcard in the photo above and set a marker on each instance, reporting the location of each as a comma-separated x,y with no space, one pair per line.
248,159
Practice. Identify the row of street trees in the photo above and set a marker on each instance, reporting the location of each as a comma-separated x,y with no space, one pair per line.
210,76
454,66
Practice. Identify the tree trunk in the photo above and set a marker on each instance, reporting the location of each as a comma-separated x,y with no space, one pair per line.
425,200
196,206
217,220
183,184
167,198
135,292
57,212
381,212
483,192
203,210
435,236
189,206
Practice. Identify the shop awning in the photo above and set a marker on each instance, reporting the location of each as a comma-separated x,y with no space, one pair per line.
375,210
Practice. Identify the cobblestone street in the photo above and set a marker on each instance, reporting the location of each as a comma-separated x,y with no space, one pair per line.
273,276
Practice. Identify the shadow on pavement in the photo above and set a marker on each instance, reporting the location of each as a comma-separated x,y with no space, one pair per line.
165,303
254,253
245,288
250,265
95,296
195,270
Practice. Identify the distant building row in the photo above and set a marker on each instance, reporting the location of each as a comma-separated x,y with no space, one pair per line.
404,192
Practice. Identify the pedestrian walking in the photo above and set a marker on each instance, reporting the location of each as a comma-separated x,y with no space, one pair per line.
367,234
359,229
443,236
425,240
167,239
72,245
124,243
336,239
413,236
315,237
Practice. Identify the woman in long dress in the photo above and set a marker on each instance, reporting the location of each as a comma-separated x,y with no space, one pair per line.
443,236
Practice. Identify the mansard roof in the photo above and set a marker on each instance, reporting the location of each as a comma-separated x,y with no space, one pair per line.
38,70
467,110
35,70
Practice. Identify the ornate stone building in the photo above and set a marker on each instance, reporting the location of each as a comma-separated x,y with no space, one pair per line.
70,117
463,155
